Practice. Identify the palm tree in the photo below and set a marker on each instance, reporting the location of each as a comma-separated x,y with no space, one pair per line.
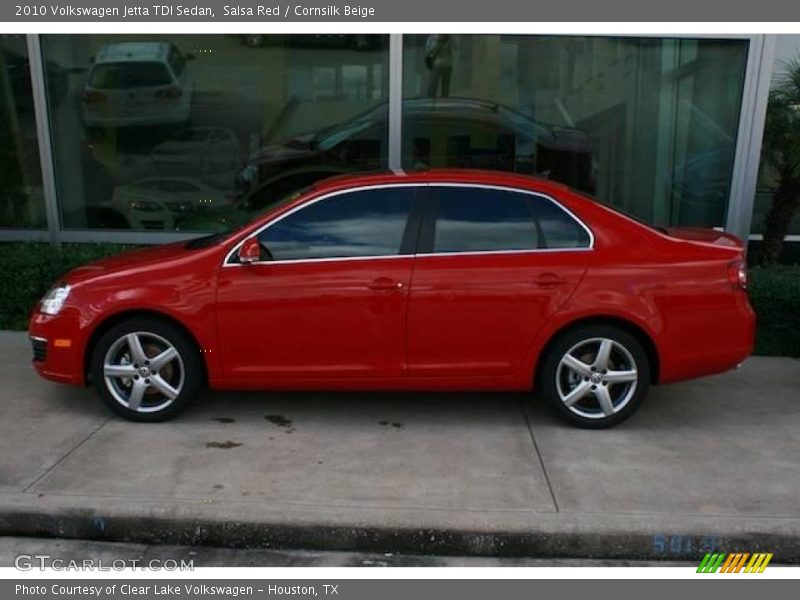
780,159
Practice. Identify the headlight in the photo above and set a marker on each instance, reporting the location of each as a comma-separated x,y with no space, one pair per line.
54,299
145,206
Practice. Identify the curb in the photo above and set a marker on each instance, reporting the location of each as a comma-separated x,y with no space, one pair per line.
552,536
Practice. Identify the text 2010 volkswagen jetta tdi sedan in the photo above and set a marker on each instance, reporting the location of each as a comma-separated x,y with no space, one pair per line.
439,280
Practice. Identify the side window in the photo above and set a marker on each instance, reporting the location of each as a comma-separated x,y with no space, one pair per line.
483,220
486,220
361,223
558,229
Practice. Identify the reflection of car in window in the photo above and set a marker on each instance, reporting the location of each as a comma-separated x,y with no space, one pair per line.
180,195
262,197
201,150
137,83
450,132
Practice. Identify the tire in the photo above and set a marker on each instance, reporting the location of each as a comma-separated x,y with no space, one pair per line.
161,393
584,394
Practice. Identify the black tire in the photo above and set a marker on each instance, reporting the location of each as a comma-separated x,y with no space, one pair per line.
155,336
555,379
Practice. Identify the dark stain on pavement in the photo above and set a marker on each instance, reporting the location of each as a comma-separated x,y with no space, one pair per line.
280,421
223,419
224,445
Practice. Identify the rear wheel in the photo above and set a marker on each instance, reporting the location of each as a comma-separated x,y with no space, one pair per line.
595,376
146,369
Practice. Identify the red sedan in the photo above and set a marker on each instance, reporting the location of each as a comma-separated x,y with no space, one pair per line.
438,280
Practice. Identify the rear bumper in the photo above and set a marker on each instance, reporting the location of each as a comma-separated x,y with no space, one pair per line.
712,346
57,348
166,116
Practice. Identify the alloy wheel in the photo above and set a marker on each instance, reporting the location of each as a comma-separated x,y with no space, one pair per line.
596,378
143,372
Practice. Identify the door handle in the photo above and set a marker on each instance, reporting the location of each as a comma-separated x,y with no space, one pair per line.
385,284
550,280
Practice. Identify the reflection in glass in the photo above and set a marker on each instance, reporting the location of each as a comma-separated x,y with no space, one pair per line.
365,223
200,132
21,197
779,175
646,124
472,220
490,220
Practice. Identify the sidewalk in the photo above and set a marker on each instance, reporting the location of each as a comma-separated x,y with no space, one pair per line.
709,464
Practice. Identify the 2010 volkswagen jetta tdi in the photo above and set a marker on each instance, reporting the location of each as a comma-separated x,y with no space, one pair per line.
439,280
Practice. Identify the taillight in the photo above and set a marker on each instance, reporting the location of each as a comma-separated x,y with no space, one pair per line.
170,92
737,274
93,97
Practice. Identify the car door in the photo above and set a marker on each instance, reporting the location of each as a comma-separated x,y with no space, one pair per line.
493,266
329,297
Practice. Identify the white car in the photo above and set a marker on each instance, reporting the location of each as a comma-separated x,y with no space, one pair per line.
142,211
137,83
180,195
199,150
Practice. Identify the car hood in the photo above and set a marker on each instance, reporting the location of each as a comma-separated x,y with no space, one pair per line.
132,261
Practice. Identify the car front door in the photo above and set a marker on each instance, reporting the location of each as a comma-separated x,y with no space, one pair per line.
493,266
328,299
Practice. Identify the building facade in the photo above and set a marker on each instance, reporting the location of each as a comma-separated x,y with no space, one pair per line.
149,139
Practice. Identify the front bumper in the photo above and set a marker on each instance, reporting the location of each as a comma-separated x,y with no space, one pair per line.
58,349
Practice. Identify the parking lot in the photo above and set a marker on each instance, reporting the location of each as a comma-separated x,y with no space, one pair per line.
708,463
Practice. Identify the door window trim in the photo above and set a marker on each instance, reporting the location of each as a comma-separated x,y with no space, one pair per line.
412,222
429,222
420,204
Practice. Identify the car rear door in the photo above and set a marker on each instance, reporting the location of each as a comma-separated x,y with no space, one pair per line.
329,298
493,266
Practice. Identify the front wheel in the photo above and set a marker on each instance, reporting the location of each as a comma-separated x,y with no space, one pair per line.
595,376
146,369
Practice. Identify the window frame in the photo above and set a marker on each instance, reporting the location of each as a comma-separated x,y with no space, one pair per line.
428,227
408,244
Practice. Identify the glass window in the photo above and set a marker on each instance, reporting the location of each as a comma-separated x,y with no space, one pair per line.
126,75
481,219
21,197
557,229
646,124
362,223
219,116
177,61
778,177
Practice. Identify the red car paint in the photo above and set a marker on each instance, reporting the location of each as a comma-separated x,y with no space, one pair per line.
424,322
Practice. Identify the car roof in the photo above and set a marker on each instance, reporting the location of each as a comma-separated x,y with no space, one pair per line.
132,52
465,176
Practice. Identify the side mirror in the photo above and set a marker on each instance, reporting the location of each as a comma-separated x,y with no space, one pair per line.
249,251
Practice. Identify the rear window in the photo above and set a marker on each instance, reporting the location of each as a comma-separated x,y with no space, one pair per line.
112,76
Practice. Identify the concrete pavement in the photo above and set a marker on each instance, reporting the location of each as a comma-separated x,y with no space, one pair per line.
712,464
